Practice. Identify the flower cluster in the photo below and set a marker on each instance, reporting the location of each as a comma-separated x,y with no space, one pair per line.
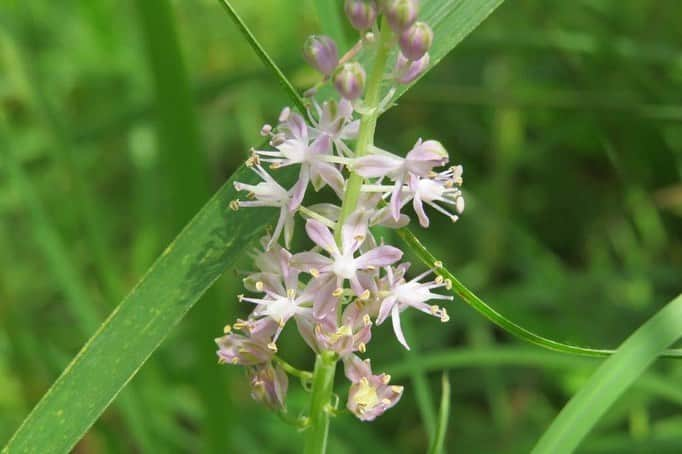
349,281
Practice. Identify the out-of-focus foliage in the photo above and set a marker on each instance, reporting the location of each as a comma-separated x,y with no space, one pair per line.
566,116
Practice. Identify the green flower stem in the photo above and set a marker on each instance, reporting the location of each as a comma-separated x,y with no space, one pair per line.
368,123
320,403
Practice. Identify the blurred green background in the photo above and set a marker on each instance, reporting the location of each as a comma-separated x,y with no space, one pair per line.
119,119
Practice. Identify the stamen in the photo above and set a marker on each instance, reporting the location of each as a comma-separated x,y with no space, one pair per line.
438,264
362,348
314,272
338,292
259,286
227,329
234,204
272,346
365,295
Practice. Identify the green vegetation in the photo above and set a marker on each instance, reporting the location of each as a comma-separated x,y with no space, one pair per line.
119,120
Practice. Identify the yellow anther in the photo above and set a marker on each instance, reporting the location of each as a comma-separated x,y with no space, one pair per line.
259,286
272,346
240,297
235,360
227,329
234,205
444,317
314,272
366,320
439,279
365,295
438,264
397,389
275,165
291,293
359,238
281,323
362,347
435,310
448,284
338,292
386,379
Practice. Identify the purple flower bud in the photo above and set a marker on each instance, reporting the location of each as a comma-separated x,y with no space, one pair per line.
400,13
416,40
361,13
321,53
349,80
269,385
407,71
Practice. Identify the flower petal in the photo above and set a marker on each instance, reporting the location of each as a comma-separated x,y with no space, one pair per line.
379,257
377,165
320,235
395,318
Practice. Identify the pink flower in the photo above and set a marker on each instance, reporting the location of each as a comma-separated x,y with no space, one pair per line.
369,395
269,193
335,119
349,335
297,148
420,162
401,294
342,262
443,188
248,349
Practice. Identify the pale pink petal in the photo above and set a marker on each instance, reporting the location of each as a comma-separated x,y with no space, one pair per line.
306,261
354,230
396,198
321,145
298,191
355,368
419,209
385,309
395,318
379,257
320,235
327,173
377,165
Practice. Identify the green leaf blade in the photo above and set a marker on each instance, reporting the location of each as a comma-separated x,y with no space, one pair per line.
122,344
611,380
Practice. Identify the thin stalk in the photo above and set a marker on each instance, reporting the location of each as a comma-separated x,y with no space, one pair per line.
368,123
320,401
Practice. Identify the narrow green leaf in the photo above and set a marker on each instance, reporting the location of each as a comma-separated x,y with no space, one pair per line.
107,362
500,320
438,443
267,60
611,380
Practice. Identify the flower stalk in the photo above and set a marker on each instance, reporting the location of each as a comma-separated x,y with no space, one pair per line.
320,403
368,123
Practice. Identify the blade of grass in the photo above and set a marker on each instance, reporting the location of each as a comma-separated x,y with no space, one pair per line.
267,60
611,380
109,360
438,444
184,165
498,319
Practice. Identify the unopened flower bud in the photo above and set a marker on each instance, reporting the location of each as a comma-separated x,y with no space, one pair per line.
407,71
349,80
321,53
416,40
269,385
361,13
400,13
